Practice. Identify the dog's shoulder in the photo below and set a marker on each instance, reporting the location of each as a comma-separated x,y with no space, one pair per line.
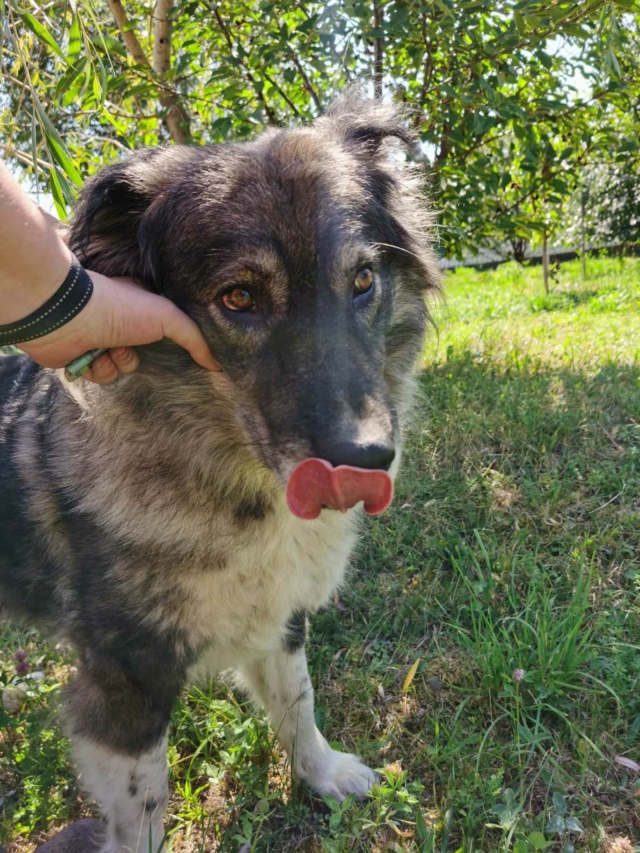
17,377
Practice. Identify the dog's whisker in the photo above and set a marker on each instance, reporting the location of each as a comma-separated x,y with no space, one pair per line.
398,249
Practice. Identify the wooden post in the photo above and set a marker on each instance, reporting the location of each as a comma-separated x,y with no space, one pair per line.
545,260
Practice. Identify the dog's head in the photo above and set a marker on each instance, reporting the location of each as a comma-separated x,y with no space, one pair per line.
305,258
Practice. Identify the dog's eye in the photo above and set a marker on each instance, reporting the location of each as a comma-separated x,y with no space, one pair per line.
239,300
364,280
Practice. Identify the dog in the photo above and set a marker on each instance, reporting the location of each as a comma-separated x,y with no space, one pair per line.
148,522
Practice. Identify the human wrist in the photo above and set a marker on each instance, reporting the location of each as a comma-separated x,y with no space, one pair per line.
65,303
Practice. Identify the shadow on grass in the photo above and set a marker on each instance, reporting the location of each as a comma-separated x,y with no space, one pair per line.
562,300
512,545
535,455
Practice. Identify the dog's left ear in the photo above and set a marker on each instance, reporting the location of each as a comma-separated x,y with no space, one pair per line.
365,125
117,223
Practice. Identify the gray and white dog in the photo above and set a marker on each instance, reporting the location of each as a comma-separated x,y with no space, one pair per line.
147,521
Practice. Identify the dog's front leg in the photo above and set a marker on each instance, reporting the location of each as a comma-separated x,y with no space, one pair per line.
132,790
118,730
280,681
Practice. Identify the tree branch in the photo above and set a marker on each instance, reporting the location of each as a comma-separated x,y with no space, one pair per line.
426,73
583,10
445,147
307,83
134,48
176,119
247,71
10,151
282,93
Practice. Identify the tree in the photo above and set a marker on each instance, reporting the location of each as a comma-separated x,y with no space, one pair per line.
607,207
486,83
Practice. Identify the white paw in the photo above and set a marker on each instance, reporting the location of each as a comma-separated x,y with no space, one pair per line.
337,774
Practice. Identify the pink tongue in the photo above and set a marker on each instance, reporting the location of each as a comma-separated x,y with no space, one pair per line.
315,484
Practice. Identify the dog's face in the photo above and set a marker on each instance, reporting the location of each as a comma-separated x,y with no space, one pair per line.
305,258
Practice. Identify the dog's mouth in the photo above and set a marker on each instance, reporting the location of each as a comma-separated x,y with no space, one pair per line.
315,484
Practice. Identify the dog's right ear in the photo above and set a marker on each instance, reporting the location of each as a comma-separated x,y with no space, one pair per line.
365,125
112,228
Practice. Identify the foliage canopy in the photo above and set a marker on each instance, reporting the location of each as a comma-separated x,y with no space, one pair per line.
511,100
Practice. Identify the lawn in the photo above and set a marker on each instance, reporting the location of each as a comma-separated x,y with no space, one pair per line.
485,652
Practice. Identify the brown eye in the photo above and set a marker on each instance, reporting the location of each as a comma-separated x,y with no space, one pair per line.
239,300
364,280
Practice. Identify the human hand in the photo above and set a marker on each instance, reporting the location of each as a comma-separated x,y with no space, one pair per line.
119,315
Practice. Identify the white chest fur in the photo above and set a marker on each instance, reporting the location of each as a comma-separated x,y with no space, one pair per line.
286,565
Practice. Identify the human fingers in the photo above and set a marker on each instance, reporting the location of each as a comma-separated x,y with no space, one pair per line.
103,371
125,359
181,329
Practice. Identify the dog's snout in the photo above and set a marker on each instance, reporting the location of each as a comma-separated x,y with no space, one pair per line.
378,456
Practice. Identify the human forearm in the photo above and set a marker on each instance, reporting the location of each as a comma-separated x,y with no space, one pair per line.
33,257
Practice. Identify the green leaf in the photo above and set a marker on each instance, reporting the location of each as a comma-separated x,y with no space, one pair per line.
573,825
545,59
423,833
538,841
56,145
555,824
558,800
70,77
444,8
58,194
75,40
518,17
108,45
521,847
43,34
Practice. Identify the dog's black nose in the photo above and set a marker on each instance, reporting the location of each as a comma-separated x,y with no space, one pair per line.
379,456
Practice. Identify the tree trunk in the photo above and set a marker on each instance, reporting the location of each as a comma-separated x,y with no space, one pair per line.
519,248
378,50
545,261
176,119
583,242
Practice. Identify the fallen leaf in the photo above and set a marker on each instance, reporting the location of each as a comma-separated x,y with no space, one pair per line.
627,762
408,834
410,676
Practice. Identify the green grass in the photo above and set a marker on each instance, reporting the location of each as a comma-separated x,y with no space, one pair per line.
508,568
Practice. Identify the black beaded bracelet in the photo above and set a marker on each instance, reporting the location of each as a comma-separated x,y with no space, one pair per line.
68,300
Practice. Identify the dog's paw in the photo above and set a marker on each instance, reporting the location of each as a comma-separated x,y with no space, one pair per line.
338,774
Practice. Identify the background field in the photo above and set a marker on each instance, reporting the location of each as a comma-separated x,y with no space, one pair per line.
507,569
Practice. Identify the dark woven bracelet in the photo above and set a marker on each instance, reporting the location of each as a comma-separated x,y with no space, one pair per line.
68,300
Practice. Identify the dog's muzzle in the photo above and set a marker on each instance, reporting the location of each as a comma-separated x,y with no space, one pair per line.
316,484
